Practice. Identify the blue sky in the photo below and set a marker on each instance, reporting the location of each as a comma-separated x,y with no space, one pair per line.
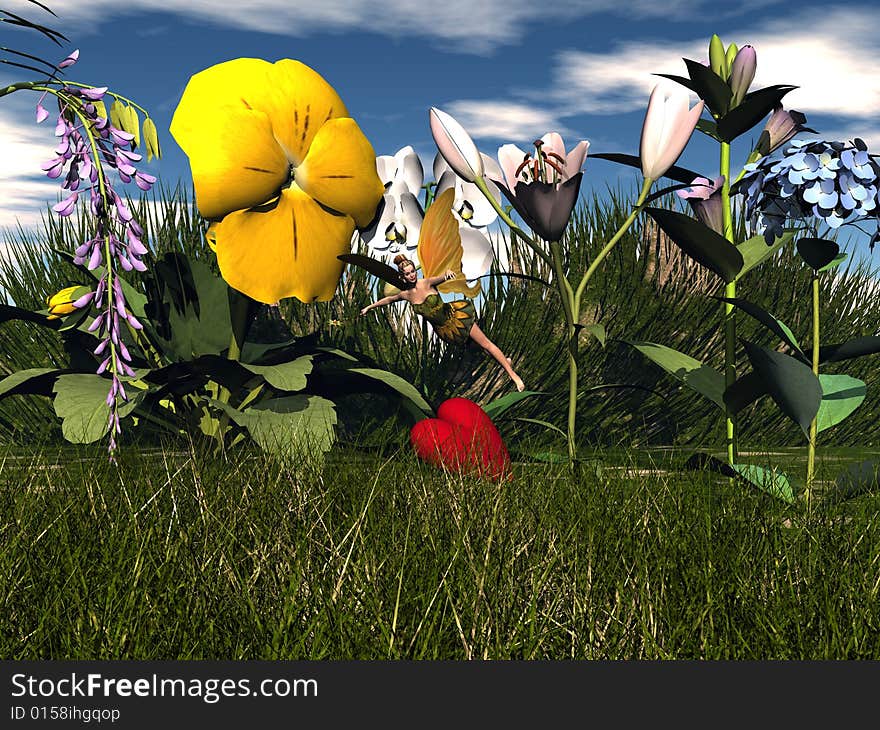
508,70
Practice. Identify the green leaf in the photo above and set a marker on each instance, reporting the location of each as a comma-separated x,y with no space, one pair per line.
744,391
679,174
709,127
755,251
841,395
286,375
752,109
9,312
790,382
857,347
776,326
291,426
709,87
545,424
817,252
33,381
395,382
707,381
337,352
498,406
774,482
836,261
81,403
597,330
699,242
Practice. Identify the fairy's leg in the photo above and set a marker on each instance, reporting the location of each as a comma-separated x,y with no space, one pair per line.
477,335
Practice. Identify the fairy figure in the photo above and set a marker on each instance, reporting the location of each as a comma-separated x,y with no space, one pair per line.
440,252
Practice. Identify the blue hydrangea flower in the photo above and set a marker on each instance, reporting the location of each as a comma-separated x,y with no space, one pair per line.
833,181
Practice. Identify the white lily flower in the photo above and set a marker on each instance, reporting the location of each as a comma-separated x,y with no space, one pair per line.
456,146
667,128
470,205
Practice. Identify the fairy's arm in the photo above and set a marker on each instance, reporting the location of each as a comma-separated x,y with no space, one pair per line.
436,280
382,302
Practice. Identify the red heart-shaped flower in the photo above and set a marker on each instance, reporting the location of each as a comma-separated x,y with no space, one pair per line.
462,439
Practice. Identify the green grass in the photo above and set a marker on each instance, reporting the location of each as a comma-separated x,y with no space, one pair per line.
180,555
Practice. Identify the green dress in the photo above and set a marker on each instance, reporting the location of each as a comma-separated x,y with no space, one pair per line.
452,321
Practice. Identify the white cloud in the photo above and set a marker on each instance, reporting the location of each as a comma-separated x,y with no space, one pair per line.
505,119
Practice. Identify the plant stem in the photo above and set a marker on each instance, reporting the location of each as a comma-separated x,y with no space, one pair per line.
729,293
811,447
241,313
567,298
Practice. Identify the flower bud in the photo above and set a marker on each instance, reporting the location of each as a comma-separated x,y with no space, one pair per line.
718,57
456,146
65,301
742,73
667,128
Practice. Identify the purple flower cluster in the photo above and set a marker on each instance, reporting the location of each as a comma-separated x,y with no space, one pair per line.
833,181
88,146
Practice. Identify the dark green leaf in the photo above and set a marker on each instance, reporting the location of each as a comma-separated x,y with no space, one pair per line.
744,391
679,80
33,381
752,109
597,330
776,326
790,382
679,174
857,347
856,479
709,127
817,252
699,242
709,87
544,424
401,386
286,375
836,261
9,312
773,482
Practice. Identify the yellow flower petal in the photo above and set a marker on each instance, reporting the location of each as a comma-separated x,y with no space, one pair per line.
288,251
299,102
340,171
236,162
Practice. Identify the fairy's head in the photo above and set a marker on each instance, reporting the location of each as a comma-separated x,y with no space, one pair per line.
407,269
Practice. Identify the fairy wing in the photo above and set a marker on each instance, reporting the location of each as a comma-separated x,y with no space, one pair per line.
377,268
440,246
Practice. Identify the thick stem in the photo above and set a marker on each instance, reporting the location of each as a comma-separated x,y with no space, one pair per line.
730,293
811,447
241,310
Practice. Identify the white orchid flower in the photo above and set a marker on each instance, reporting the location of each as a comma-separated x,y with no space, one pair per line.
470,205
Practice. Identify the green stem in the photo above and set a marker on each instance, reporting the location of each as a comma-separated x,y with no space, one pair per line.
481,184
241,312
572,315
811,447
730,293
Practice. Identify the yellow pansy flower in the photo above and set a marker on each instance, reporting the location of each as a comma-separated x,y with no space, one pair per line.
282,171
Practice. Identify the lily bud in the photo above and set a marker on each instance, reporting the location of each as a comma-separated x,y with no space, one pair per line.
732,50
742,73
781,126
456,146
718,57
667,128
67,301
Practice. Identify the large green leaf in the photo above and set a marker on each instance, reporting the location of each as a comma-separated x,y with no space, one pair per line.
751,110
707,381
597,330
80,402
294,425
841,395
196,308
291,375
776,326
498,406
33,381
790,382
857,347
699,242
744,391
755,251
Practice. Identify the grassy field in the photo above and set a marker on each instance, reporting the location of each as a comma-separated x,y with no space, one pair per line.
178,554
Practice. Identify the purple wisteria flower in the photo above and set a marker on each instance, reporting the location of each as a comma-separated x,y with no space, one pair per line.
89,146
836,182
